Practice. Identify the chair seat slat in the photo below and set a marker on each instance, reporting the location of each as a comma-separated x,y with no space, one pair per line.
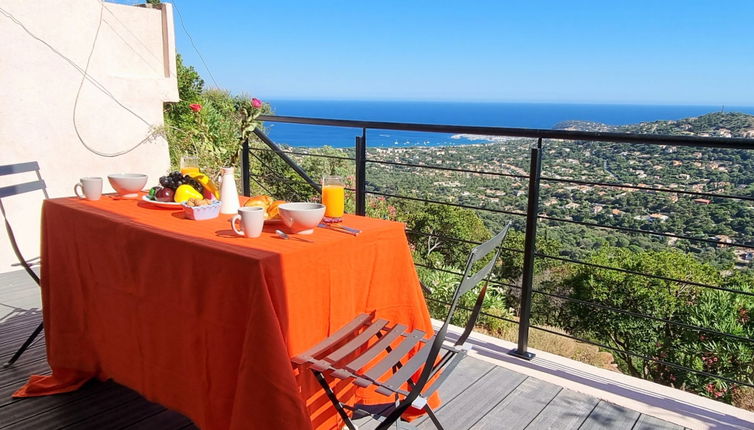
394,356
401,376
333,339
356,342
376,349
362,360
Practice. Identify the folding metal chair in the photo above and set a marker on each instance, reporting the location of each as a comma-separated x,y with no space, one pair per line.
348,353
12,190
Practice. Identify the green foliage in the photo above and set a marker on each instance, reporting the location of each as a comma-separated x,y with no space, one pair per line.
634,293
190,88
433,228
666,300
513,258
443,284
722,312
213,131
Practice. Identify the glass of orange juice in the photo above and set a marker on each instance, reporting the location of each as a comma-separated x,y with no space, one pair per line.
333,197
189,164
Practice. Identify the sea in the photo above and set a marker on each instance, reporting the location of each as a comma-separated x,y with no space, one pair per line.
520,115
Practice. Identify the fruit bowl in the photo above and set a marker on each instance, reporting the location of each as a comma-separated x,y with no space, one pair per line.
200,213
127,184
301,218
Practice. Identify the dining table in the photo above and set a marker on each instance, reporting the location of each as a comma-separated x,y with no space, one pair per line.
205,322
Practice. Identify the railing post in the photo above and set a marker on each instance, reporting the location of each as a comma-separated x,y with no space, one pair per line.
361,172
530,248
245,168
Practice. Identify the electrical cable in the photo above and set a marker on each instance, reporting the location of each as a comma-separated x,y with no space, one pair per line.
93,81
191,39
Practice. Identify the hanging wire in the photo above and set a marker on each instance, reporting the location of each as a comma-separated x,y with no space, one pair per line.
191,39
87,77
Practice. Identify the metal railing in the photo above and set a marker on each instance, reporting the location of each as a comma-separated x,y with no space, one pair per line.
532,215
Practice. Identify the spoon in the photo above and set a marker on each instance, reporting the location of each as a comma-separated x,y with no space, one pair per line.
285,236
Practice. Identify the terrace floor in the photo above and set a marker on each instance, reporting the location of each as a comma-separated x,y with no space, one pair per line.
480,394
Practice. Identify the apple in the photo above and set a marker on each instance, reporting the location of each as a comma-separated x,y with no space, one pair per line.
164,195
207,194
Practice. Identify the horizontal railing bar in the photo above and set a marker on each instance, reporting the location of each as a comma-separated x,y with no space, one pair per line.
450,169
278,176
446,203
443,302
638,231
440,236
470,242
646,139
636,187
645,275
656,360
498,283
645,316
307,154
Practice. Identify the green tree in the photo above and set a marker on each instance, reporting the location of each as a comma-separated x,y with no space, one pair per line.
635,293
434,227
730,357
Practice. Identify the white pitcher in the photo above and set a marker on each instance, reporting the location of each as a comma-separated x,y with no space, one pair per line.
229,202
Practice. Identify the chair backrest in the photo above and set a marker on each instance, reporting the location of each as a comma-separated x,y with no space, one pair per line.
469,280
16,189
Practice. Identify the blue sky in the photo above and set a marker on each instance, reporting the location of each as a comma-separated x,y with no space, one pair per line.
636,52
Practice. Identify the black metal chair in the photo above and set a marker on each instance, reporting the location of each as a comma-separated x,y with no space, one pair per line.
13,190
347,352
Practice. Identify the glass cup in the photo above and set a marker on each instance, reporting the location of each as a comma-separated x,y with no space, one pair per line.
189,164
333,197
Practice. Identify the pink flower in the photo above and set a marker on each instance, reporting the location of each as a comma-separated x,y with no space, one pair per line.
195,107
256,103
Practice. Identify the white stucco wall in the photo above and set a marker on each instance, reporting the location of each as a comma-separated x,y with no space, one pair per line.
133,59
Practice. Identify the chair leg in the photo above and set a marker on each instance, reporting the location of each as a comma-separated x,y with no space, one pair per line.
433,417
25,346
333,399
394,416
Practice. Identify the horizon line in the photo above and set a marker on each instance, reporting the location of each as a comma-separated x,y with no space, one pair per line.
365,100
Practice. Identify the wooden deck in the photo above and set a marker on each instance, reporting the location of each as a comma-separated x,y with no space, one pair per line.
479,394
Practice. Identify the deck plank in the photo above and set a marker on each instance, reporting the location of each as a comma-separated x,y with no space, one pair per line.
647,422
118,416
609,416
520,407
477,400
13,414
565,412
165,420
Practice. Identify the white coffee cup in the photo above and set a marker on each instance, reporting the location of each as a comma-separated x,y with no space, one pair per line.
90,187
252,221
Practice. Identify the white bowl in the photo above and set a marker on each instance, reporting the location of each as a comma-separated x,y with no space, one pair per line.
301,218
127,184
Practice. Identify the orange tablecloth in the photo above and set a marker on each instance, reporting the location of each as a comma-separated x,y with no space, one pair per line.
203,321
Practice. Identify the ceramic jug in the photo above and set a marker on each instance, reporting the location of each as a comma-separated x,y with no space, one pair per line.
229,202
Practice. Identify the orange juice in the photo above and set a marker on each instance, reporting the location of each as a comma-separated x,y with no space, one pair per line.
333,197
191,171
